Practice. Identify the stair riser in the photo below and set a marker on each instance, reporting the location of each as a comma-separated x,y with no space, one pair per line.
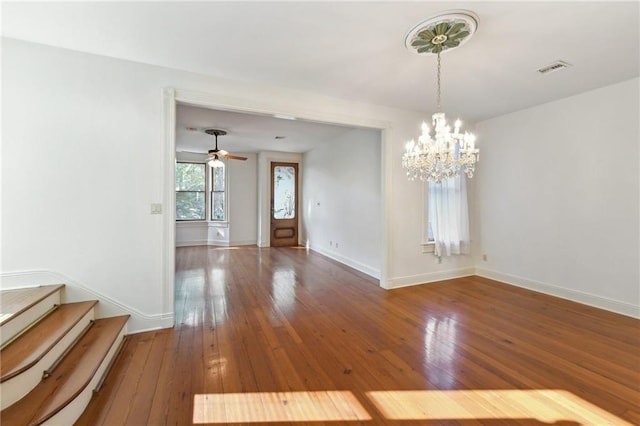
17,387
74,410
16,325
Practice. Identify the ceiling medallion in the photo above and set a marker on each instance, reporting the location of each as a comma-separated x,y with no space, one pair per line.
441,32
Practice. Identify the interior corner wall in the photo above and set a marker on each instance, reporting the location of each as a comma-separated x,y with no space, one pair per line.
341,199
557,197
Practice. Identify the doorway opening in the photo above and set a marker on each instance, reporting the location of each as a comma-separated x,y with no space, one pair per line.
174,98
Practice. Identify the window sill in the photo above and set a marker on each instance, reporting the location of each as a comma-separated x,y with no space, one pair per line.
218,224
201,223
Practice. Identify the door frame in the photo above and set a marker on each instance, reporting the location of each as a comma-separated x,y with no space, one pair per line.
296,217
265,159
171,97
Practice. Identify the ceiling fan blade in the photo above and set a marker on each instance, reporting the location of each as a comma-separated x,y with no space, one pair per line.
222,152
193,152
232,157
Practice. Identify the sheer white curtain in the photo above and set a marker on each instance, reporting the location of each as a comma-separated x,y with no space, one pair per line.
449,216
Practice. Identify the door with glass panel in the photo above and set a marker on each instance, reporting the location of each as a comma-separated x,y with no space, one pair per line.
284,204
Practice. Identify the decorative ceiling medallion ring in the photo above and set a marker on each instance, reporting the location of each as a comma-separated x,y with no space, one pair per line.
442,32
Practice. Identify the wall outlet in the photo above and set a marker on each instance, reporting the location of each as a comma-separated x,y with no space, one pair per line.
484,257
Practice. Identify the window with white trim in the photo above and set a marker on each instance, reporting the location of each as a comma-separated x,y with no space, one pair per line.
218,192
191,186
200,192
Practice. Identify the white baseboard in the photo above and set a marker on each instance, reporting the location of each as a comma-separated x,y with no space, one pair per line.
366,269
76,292
243,243
189,243
429,277
222,243
616,306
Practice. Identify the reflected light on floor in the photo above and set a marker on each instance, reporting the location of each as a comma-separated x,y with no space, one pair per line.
283,289
265,407
543,405
227,248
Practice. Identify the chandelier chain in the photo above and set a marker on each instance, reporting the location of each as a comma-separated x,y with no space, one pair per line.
439,109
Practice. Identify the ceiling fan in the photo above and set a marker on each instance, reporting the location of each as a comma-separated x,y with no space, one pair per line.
215,154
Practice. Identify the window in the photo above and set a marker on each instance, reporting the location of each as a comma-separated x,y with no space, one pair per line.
197,193
447,217
218,187
190,191
284,192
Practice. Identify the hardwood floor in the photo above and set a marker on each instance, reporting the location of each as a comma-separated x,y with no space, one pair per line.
283,336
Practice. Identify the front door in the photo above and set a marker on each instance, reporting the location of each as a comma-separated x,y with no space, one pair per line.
284,204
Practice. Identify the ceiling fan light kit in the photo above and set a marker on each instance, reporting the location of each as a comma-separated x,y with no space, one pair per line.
447,153
215,154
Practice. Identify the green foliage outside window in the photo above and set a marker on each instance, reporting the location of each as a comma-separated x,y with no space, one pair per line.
217,194
190,191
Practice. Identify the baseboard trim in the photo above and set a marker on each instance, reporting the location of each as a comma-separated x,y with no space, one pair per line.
243,243
600,302
365,269
192,243
76,292
189,243
429,277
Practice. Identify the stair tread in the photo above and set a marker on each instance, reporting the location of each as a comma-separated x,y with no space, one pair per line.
29,348
71,376
14,302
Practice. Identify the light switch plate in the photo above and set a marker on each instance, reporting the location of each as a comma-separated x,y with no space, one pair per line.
156,208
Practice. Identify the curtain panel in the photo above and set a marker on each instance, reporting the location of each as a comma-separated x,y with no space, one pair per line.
449,216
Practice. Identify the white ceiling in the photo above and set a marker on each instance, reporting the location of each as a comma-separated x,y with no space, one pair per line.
248,132
354,50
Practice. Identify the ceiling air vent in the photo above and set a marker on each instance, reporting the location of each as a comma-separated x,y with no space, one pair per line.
556,66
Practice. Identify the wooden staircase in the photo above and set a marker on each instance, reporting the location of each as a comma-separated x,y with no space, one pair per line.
53,356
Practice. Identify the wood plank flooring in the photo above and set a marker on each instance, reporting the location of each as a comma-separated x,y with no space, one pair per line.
284,336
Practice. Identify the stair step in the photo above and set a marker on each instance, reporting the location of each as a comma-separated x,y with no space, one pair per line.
19,308
29,348
25,358
62,397
14,302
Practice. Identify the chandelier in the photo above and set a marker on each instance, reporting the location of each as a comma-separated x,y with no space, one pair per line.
446,153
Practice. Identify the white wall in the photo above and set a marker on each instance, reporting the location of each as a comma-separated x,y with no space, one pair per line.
80,156
341,199
243,200
83,159
557,196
